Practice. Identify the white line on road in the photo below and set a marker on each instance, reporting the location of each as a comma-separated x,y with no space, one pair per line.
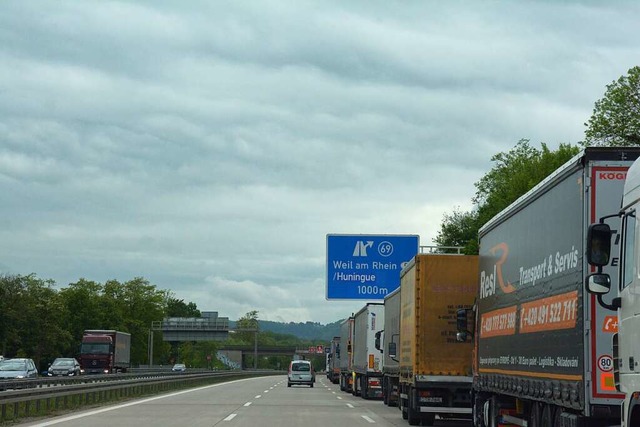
266,391
258,396
247,404
137,402
230,417
368,419
339,398
349,405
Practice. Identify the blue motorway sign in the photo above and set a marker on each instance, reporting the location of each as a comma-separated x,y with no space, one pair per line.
367,266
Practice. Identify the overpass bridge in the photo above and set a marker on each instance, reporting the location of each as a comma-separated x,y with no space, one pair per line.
237,353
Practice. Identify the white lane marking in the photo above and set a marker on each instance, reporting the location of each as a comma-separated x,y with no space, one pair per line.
368,419
339,398
349,405
247,404
230,417
266,391
258,396
126,405
333,392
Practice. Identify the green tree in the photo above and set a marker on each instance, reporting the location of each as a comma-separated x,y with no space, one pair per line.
616,117
178,308
10,312
141,303
31,312
514,173
459,229
84,307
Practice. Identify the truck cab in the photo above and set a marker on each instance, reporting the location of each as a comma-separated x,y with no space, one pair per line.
626,342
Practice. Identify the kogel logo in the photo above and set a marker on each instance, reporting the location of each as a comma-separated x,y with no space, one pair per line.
612,176
488,280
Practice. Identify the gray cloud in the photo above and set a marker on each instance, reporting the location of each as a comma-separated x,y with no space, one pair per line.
211,147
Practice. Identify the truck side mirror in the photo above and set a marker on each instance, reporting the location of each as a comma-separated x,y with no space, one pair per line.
377,342
598,283
598,244
462,325
461,320
392,350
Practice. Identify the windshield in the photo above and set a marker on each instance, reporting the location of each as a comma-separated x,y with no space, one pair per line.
62,363
301,367
95,348
12,366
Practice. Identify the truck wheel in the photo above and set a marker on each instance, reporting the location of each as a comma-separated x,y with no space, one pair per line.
534,415
385,391
557,417
403,409
428,419
412,417
547,412
365,388
490,410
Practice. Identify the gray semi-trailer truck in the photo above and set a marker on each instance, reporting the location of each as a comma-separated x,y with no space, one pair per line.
346,355
543,346
333,361
388,342
367,360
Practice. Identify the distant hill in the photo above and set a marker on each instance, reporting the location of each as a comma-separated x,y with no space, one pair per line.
308,331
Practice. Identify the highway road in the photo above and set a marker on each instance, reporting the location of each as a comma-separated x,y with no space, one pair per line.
265,401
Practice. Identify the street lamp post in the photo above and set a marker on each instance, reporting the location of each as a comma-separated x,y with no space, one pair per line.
150,344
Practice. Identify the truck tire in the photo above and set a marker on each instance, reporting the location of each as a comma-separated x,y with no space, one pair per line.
413,417
490,412
365,388
428,419
385,391
534,415
547,414
403,408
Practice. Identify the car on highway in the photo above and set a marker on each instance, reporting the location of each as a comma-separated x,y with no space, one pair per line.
18,368
301,373
179,367
64,366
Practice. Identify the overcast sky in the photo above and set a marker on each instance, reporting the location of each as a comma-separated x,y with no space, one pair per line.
210,147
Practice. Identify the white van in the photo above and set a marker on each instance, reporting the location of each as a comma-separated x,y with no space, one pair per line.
301,372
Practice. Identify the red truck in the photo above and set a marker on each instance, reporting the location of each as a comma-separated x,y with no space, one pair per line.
105,351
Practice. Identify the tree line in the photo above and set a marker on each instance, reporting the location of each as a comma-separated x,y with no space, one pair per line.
615,121
41,322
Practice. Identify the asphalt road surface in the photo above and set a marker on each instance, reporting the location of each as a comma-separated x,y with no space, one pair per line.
265,401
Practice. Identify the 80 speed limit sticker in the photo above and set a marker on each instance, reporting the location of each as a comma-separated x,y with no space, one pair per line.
605,363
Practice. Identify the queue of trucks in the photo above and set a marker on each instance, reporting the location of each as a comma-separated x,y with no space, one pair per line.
542,328
405,352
